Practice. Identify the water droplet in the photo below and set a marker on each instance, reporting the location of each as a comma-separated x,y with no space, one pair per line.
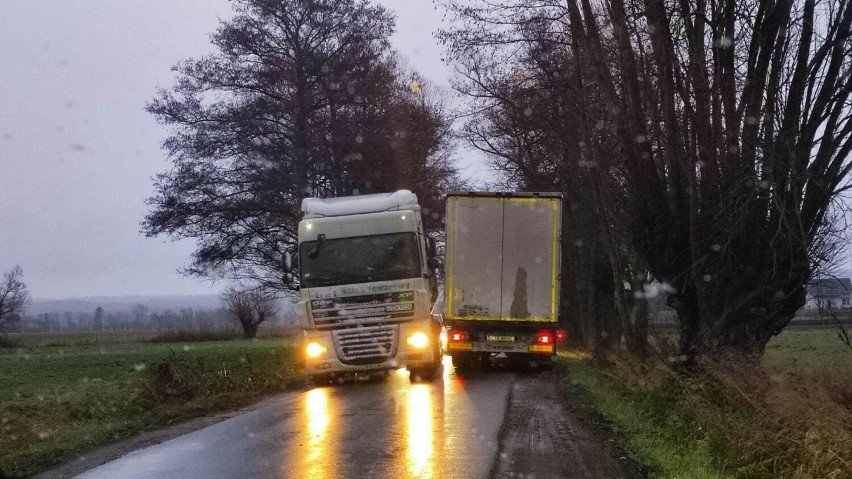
139,367
528,111
716,247
43,435
707,278
641,139
359,139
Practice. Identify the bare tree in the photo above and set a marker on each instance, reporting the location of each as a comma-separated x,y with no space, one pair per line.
14,297
303,98
723,129
250,307
735,128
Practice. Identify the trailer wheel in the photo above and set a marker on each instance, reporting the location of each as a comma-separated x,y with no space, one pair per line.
547,364
464,362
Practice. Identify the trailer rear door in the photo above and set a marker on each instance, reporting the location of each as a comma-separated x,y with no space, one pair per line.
503,257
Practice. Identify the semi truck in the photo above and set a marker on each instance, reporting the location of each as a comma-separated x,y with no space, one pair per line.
367,282
502,273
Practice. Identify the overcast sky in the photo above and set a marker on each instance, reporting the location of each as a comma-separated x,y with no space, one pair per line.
77,150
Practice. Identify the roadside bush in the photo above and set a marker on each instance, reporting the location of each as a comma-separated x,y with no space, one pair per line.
738,418
173,379
224,378
9,343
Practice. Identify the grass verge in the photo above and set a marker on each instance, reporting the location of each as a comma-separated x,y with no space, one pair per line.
786,418
56,402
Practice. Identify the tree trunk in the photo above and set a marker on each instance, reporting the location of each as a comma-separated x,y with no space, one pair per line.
249,330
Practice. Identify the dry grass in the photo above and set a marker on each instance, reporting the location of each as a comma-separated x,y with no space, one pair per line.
789,417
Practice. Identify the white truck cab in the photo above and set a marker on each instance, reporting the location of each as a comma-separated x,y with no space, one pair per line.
367,285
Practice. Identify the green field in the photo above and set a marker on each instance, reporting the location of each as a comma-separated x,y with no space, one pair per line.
61,395
788,417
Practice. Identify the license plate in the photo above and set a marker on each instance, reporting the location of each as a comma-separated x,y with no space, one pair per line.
500,338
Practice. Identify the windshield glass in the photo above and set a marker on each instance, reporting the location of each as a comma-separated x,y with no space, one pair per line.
360,259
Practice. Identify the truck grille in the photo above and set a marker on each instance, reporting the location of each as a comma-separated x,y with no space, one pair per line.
382,308
367,344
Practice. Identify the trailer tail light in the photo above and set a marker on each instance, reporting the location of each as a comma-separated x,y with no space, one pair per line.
457,336
560,335
459,341
543,343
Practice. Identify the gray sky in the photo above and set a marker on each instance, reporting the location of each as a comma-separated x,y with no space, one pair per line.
77,151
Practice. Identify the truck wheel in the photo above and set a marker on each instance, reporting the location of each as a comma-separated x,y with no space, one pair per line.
428,373
547,364
464,362
320,380
425,374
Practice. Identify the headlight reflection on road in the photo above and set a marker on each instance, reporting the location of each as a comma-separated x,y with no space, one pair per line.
316,406
420,431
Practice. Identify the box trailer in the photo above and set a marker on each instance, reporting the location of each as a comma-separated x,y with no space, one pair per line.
502,270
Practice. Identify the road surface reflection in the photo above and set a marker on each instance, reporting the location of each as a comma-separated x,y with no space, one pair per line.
420,431
317,463
394,428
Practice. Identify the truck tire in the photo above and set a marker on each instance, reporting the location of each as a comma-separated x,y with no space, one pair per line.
320,380
464,362
428,373
547,364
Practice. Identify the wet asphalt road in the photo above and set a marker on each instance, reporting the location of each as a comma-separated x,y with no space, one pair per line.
500,424
389,428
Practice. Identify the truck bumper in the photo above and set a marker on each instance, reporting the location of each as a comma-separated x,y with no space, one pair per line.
502,337
407,355
487,347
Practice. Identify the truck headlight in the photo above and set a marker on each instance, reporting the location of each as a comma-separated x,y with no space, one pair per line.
314,349
418,340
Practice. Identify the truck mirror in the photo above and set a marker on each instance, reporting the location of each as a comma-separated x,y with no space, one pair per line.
432,248
433,263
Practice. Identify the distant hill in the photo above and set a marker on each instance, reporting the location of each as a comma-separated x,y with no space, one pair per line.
124,303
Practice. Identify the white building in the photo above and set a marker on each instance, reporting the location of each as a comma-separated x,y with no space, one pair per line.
830,293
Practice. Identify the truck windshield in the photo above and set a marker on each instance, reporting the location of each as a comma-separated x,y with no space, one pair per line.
359,259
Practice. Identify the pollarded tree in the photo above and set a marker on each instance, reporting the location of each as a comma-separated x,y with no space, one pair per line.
250,307
303,98
735,126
